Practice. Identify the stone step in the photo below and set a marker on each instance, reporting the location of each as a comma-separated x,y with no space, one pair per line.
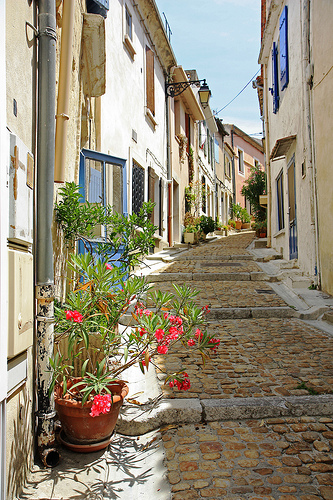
298,282
175,277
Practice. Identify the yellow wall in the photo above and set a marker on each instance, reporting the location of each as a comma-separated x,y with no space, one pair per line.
322,52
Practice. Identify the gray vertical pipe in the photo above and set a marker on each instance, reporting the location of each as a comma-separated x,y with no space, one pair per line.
44,212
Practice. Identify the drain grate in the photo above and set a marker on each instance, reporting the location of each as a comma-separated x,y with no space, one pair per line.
221,264
270,292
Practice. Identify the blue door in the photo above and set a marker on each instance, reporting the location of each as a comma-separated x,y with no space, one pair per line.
102,179
293,248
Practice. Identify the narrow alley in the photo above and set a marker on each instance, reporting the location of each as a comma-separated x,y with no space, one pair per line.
256,422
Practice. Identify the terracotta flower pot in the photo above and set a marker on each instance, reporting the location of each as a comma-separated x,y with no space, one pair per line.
77,424
238,224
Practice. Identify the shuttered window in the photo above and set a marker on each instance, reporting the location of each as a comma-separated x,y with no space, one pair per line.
284,65
275,79
150,88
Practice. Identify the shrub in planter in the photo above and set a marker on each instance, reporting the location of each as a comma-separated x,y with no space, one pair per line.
207,224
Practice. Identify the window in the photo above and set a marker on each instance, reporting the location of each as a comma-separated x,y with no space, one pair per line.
98,7
227,166
216,151
204,197
102,179
138,187
150,87
241,161
128,17
280,213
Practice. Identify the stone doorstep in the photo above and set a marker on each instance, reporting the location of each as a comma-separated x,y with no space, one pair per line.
137,421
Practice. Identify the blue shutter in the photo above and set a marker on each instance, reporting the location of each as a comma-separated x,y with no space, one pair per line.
284,66
275,79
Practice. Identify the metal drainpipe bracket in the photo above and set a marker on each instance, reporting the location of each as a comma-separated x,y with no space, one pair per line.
46,416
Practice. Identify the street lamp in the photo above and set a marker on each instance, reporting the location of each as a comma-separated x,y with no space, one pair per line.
175,89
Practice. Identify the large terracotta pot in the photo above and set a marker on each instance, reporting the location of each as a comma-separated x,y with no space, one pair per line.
238,224
79,427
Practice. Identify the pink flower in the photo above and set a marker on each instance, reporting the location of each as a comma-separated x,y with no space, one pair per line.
213,344
147,312
162,349
191,342
165,315
159,334
101,404
173,333
74,316
142,331
108,266
198,334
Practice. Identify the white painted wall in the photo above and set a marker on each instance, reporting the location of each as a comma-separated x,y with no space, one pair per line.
124,104
290,120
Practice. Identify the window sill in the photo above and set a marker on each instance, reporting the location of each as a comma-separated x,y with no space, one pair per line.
151,117
129,45
279,233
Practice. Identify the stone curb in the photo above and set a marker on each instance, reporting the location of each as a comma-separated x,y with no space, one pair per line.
245,408
161,277
216,257
134,421
251,312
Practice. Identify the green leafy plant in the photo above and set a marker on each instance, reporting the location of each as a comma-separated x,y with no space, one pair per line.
90,343
127,237
252,188
207,224
244,216
310,390
236,211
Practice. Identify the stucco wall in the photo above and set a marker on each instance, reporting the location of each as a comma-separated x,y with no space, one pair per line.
290,120
19,434
124,104
322,52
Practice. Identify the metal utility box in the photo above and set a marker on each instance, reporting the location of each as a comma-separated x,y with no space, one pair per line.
20,301
21,175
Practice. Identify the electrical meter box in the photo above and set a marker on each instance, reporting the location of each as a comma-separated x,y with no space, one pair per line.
20,301
21,177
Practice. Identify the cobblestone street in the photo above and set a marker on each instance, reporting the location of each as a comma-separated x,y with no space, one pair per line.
284,458
257,421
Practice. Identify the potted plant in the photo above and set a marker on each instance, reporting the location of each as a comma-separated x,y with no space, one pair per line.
245,218
236,211
231,224
190,234
260,228
207,224
94,346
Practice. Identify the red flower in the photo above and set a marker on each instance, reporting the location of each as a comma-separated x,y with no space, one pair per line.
205,309
74,316
101,404
162,349
108,266
181,385
159,334
142,331
191,342
198,334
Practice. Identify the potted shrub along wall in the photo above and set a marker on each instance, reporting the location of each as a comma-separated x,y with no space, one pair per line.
91,352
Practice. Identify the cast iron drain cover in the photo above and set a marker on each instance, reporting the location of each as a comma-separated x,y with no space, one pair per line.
221,264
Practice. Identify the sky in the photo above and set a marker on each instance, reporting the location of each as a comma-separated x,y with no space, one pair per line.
221,40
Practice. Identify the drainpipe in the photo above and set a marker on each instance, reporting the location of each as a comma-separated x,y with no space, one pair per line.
44,212
309,145
268,160
65,72
169,178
